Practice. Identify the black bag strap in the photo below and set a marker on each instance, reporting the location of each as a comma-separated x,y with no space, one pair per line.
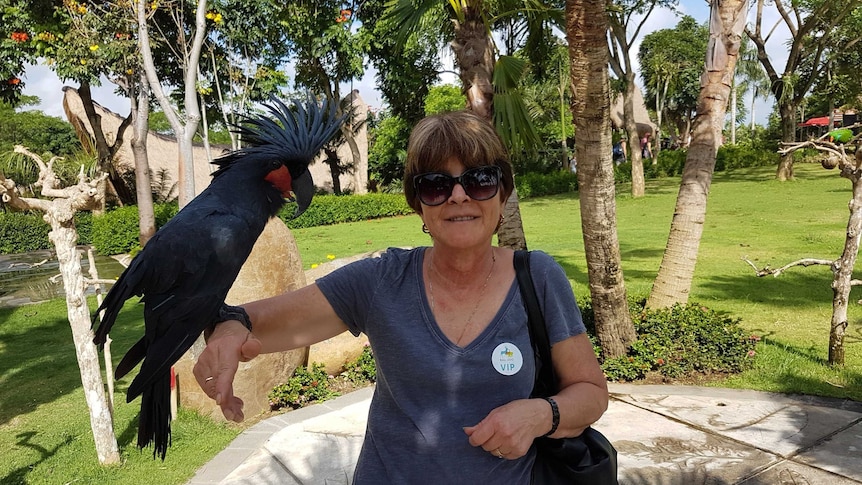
546,379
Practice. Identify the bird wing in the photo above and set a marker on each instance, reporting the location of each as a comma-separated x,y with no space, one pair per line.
185,272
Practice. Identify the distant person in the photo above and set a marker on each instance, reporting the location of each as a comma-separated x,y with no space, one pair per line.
646,151
447,325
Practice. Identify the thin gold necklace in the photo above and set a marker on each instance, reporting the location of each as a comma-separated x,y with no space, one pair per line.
478,301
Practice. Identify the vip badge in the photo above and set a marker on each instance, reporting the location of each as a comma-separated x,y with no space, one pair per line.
507,359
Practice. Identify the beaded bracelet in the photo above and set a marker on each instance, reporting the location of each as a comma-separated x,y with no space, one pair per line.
555,416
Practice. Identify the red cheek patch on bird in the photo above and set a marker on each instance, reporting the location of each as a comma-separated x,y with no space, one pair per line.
282,180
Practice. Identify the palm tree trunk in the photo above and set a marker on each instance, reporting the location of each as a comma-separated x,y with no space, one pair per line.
638,184
474,55
586,26
788,135
673,282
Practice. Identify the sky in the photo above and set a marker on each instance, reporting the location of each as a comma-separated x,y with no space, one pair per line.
42,82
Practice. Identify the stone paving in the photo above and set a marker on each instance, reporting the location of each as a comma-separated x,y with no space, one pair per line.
665,435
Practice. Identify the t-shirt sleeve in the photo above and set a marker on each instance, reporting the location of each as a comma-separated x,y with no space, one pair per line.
351,289
562,315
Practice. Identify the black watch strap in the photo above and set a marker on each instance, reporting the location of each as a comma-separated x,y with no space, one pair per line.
228,312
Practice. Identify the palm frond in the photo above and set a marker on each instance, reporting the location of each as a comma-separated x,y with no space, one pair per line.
407,14
511,116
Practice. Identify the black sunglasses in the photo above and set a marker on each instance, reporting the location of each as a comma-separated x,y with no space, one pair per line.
480,183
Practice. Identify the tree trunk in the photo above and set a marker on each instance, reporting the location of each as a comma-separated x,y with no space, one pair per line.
348,130
105,152
59,213
638,184
511,232
673,282
788,135
474,55
64,236
733,112
586,26
184,131
143,184
334,170
842,270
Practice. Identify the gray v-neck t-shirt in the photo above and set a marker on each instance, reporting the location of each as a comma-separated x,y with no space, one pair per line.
428,388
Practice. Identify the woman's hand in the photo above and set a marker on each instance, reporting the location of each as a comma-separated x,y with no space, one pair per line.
509,430
229,344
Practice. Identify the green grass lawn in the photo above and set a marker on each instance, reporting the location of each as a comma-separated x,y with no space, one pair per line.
44,425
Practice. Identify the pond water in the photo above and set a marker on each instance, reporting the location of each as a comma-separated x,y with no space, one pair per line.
26,277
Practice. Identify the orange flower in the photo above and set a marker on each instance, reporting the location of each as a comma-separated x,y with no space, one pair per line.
20,37
14,81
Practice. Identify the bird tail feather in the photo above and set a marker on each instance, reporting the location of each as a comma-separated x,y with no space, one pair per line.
154,421
134,355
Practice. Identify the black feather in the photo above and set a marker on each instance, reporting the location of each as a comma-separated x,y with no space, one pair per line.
185,271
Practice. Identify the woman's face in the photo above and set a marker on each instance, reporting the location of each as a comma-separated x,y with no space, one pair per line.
460,221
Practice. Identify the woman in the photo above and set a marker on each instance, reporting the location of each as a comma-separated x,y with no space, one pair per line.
446,324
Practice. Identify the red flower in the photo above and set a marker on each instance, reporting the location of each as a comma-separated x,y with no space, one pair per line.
20,36
14,81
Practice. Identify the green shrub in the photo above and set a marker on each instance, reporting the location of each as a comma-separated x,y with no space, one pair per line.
363,369
335,209
306,386
730,157
84,225
669,163
537,184
21,232
117,231
682,341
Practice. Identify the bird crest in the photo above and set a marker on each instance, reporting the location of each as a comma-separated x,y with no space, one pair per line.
294,131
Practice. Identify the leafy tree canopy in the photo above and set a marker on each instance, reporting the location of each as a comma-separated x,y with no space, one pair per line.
681,51
443,99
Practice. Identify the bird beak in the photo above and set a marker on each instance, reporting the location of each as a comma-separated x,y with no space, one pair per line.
303,190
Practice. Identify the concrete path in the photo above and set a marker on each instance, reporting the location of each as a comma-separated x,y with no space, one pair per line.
665,435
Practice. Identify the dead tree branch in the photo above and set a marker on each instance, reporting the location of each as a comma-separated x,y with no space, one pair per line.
805,262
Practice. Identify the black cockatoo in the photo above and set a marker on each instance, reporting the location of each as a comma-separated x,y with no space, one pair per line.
186,269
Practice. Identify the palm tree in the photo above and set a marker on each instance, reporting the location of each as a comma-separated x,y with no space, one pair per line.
489,81
586,26
663,77
752,76
625,20
673,282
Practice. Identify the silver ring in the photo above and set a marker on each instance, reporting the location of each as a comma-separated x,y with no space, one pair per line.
209,379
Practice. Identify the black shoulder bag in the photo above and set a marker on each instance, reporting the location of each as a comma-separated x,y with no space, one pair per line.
586,459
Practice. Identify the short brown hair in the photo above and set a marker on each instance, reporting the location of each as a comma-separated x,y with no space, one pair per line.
459,134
